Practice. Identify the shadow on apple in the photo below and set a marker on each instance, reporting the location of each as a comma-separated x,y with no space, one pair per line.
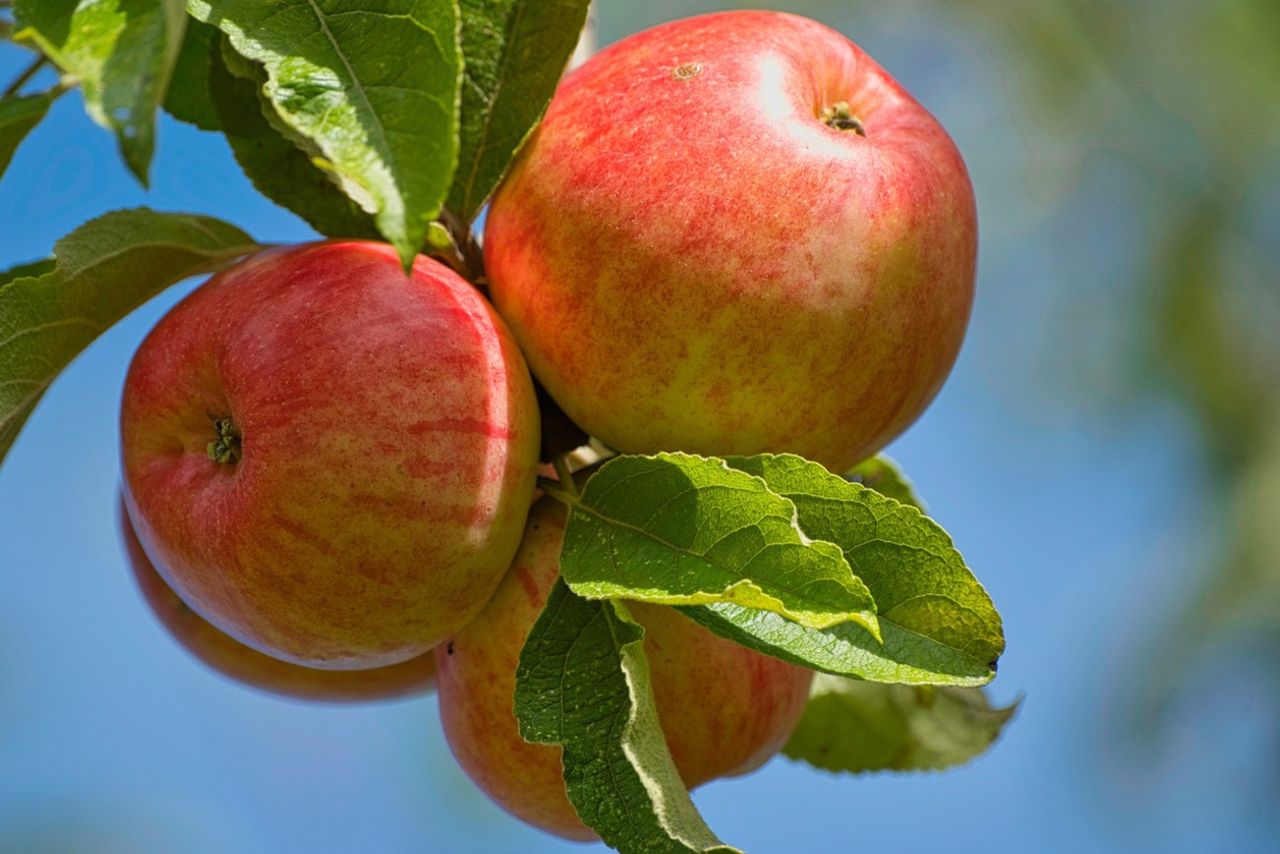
239,663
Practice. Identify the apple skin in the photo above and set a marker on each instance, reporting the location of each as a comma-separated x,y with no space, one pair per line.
246,666
725,709
388,446
692,259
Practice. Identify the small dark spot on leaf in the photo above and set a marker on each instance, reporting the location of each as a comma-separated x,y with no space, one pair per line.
448,650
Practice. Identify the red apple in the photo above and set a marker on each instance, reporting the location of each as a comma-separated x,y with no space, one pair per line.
725,709
328,460
249,667
733,234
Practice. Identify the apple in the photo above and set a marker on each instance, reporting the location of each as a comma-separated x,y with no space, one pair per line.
327,459
725,709
734,234
246,666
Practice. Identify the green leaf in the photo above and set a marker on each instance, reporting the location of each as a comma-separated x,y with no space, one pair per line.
920,581
104,270
279,169
583,684
17,117
860,726
901,656
678,529
374,86
27,270
514,53
121,51
188,98
885,477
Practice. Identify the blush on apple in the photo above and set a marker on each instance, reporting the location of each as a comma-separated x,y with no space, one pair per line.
733,234
330,460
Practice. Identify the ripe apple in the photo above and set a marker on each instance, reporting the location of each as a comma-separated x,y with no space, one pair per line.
724,708
736,233
328,460
249,667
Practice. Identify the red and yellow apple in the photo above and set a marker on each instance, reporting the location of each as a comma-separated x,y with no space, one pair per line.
249,667
725,709
736,233
330,460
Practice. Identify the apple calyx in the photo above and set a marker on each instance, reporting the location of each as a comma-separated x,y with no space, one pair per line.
840,117
226,448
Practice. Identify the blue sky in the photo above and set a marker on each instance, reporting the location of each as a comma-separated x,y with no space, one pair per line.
112,738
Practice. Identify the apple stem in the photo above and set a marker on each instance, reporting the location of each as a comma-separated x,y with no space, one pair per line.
565,474
226,449
552,490
464,254
840,117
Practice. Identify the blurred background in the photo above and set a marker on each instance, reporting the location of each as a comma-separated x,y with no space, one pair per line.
1106,454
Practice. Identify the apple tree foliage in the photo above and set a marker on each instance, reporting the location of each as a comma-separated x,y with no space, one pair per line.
398,119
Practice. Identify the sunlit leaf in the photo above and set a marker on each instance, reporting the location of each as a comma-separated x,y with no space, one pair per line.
280,170
375,86
121,51
918,578
887,478
679,529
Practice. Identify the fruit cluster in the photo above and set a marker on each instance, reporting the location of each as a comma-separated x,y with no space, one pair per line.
730,235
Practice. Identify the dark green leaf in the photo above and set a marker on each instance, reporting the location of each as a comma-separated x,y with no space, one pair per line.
920,581
104,270
121,51
861,726
583,684
279,169
514,53
28,270
374,86
17,117
188,98
885,477
678,529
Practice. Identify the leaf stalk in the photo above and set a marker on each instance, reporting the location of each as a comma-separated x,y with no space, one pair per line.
565,475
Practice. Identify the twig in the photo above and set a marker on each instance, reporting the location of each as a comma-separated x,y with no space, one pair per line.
26,75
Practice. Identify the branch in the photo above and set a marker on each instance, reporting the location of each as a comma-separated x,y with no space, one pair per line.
26,75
